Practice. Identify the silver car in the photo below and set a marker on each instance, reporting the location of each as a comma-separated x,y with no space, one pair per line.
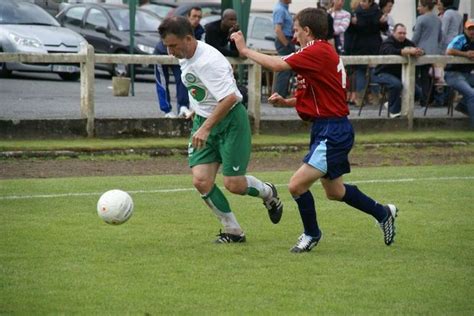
27,28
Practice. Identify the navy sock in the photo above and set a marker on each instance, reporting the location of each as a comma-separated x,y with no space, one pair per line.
355,198
307,210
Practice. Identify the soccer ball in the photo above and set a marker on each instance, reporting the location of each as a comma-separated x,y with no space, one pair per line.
115,207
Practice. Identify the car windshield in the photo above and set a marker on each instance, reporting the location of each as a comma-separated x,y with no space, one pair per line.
144,21
161,10
24,13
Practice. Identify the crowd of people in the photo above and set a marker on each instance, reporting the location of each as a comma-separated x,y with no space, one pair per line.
368,29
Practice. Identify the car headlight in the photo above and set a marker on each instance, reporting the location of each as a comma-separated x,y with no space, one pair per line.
146,49
25,41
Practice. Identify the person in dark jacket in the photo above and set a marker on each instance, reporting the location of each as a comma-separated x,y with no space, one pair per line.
366,26
218,32
390,75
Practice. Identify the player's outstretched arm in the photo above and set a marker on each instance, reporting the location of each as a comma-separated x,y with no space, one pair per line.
274,63
277,99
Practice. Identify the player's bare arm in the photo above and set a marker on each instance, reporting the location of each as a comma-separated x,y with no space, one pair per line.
274,63
277,99
223,107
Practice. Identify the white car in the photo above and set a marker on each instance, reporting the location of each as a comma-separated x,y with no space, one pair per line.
27,28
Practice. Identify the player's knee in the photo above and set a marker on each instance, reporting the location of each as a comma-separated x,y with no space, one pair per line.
234,186
203,185
295,188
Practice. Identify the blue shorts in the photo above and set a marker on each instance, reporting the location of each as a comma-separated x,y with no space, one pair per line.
331,142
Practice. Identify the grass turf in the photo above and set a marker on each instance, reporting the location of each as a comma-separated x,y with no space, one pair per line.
57,256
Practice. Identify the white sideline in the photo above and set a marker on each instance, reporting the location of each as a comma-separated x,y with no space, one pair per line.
46,196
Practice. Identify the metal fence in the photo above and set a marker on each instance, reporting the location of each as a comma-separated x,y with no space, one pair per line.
87,59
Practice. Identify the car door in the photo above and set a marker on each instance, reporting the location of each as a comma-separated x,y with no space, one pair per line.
96,30
72,19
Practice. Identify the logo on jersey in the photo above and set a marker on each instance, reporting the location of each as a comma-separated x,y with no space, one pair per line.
190,77
198,93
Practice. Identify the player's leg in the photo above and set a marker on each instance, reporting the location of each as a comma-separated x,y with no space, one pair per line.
204,164
299,186
160,85
385,215
235,148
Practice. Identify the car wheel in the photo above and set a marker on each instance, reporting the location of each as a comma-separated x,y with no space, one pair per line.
70,76
4,72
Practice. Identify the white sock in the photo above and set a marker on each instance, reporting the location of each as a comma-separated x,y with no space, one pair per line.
256,187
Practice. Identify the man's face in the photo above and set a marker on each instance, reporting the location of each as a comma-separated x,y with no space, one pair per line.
228,21
400,33
470,33
195,17
338,4
300,34
178,47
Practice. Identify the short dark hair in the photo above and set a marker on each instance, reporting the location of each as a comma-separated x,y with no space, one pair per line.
447,3
176,25
195,9
397,26
316,20
383,3
427,3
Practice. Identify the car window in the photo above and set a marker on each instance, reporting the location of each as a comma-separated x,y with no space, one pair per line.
262,27
144,21
158,9
74,16
24,13
96,18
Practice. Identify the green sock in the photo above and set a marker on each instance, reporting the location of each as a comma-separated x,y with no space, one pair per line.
217,200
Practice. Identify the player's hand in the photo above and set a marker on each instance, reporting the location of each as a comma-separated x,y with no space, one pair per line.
238,39
277,99
200,137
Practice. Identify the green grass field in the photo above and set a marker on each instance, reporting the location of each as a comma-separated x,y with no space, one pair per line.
57,256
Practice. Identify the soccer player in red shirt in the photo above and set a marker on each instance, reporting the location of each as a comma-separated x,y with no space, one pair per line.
320,98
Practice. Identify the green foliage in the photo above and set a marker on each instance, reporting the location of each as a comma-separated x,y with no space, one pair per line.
58,257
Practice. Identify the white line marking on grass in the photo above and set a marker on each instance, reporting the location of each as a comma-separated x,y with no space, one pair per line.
49,196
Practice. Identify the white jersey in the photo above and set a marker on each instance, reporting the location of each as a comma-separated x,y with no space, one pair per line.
209,78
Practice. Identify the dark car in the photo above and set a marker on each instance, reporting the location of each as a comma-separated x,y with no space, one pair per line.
107,28
168,8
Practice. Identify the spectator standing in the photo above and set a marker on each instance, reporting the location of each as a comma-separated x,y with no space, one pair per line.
349,35
451,23
341,19
283,24
386,7
390,75
218,32
460,76
162,76
427,35
367,25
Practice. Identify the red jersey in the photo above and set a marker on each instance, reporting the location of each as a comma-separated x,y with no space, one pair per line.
321,81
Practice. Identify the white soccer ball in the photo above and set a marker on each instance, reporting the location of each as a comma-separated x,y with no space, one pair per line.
115,207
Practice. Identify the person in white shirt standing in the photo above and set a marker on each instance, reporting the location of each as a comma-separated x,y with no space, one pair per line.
342,19
221,130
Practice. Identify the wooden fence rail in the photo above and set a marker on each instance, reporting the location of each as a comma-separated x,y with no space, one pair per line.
87,60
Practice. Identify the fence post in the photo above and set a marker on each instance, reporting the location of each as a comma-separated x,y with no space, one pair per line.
254,93
408,92
87,88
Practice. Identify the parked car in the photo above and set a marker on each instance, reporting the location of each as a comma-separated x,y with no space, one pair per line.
27,28
260,31
53,7
107,28
166,8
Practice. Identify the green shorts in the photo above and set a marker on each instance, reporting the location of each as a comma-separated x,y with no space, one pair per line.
229,143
